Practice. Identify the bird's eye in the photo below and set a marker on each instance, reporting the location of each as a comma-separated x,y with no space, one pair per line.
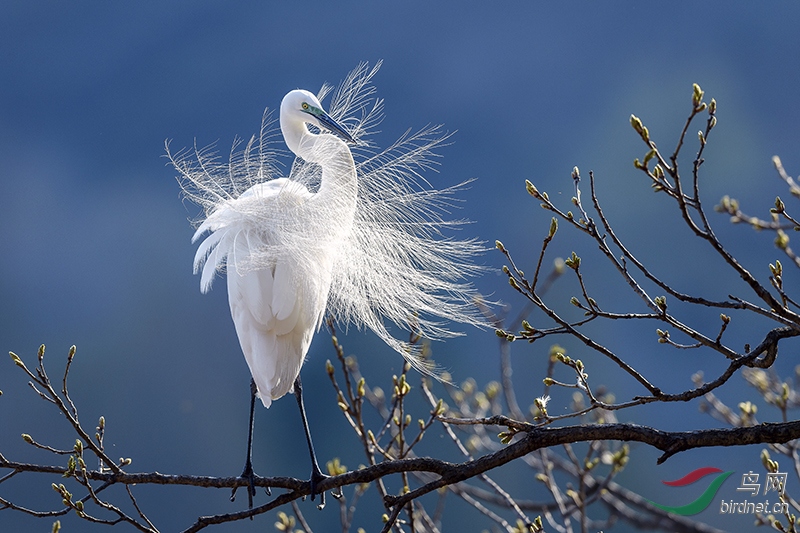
305,106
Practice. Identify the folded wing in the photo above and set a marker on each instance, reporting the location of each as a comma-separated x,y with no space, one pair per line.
273,312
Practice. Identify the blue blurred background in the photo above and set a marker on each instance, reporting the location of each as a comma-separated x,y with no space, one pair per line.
95,236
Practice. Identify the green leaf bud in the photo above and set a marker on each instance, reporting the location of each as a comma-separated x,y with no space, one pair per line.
553,227
505,436
16,359
636,123
697,94
781,239
532,190
440,408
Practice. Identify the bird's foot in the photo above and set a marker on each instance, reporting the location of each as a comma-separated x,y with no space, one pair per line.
249,476
316,478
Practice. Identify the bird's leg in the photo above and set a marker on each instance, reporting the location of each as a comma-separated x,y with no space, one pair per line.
247,473
316,473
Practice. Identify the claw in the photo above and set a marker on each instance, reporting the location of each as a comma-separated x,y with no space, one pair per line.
250,477
316,477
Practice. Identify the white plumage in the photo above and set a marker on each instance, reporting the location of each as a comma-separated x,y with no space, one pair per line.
363,241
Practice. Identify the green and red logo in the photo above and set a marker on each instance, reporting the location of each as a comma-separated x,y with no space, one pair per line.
704,500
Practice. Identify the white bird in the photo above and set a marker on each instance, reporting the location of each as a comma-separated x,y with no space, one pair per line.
360,240
277,309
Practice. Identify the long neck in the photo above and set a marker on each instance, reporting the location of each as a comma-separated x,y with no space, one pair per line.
338,189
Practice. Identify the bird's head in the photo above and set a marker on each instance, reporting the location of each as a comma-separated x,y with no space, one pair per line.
301,107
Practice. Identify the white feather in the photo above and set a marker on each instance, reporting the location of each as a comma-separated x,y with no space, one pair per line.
296,247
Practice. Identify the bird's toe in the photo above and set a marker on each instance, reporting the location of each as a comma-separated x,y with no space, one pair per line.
316,478
250,477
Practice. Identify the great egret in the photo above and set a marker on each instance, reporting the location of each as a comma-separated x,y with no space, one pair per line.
361,240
